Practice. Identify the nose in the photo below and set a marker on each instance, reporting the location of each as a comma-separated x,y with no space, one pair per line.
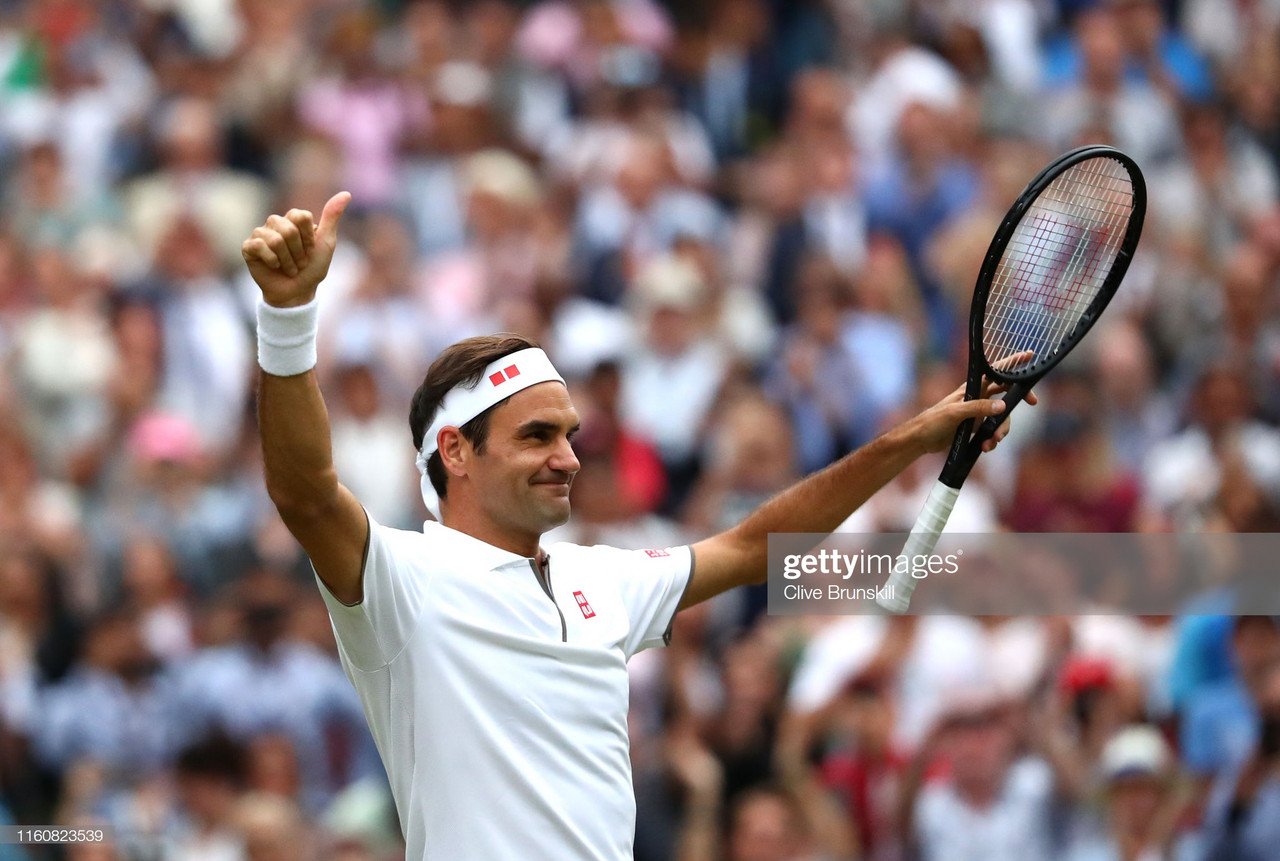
563,459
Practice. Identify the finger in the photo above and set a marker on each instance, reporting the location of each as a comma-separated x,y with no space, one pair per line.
1013,360
277,244
1032,399
305,222
292,237
1001,433
332,214
256,250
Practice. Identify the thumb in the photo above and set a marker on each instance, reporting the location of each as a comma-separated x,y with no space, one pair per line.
327,230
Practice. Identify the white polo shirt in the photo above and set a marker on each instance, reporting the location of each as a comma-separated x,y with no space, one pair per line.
499,702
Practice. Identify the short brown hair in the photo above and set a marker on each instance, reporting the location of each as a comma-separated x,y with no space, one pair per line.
462,363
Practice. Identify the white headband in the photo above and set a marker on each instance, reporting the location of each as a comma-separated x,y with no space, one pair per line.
504,377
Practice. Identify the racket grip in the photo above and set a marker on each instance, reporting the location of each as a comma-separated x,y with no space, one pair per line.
921,541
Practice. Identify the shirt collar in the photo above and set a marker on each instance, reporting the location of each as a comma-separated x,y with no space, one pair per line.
485,554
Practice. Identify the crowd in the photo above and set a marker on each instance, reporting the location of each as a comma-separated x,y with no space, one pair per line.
747,233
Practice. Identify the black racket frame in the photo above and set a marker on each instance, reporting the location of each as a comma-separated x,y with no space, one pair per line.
966,446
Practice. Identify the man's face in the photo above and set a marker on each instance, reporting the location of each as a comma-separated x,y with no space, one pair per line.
521,479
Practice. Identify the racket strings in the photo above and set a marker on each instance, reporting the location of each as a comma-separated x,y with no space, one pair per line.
1057,261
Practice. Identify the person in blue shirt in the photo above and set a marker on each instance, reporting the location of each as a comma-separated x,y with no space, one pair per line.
1220,724
1158,54
1242,819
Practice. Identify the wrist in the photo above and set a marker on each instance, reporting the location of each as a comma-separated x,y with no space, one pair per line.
287,338
909,439
289,301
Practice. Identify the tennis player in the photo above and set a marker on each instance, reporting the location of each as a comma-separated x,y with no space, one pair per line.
493,669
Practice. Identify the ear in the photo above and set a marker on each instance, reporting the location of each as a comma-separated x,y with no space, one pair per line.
455,451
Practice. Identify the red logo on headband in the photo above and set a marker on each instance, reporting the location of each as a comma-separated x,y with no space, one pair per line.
510,372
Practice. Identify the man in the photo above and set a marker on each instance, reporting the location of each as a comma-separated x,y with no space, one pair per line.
493,671
1242,818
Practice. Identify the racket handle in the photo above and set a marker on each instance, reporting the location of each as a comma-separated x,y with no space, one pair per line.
921,541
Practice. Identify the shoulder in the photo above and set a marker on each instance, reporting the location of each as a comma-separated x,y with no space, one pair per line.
434,543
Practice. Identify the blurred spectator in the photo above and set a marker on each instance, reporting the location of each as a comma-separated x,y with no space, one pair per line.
209,778
111,710
1138,800
371,450
1183,472
867,768
1136,414
1225,30
1220,723
206,346
1067,482
267,682
915,191
749,460
193,182
1132,113
670,382
1225,185
154,591
500,252
1241,820
77,84
818,377
994,803
382,321
63,359
46,210
363,109
161,493
1156,54
636,216
642,483
732,76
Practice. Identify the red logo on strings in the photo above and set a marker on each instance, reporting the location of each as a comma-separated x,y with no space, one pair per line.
656,554
508,373
584,605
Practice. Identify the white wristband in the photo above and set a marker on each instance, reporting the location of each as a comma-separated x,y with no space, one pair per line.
287,338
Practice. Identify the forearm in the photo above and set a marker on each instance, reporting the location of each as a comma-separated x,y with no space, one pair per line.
821,502
825,499
297,454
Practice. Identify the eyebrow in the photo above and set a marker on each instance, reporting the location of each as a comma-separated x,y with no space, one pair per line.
539,425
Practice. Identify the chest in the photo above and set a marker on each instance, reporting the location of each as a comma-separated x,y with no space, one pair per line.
550,608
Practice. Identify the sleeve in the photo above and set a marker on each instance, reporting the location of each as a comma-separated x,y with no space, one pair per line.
374,631
651,584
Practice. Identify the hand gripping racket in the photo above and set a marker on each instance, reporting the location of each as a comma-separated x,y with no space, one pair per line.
1050,271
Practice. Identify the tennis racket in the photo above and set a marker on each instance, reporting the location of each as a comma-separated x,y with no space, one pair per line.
1052,267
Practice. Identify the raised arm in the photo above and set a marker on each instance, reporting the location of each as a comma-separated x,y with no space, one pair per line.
288,257
821,502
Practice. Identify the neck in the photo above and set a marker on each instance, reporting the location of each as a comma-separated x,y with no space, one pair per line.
483,529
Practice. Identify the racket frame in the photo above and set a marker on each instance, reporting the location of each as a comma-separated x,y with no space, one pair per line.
967,444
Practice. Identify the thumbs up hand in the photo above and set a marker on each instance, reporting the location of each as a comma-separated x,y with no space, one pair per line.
289,255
